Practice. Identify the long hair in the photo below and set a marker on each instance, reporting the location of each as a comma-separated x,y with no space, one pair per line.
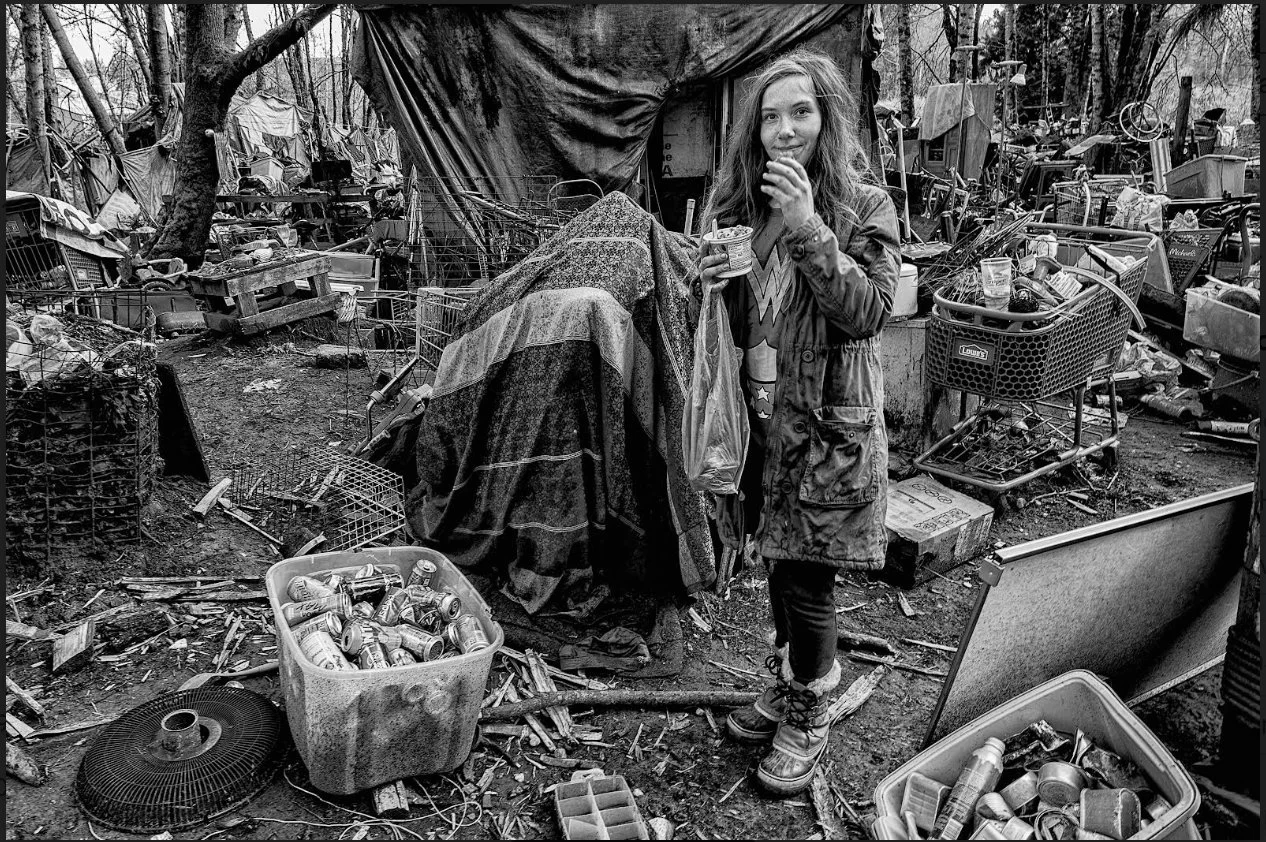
839,162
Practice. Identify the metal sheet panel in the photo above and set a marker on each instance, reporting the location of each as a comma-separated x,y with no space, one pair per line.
1144,601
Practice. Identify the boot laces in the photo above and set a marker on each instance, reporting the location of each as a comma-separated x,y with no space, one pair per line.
781,688
800,708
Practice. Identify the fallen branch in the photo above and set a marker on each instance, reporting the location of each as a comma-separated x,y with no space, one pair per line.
823,806
69,729
14,689
857,640
555,672
855,696
895,664
1242,802
621,698
20,765
941,646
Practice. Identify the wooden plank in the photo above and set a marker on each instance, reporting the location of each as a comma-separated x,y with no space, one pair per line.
292,198
251,280
74,649
246,304
209,499
15,690
21,631
289,313
321,284
17,727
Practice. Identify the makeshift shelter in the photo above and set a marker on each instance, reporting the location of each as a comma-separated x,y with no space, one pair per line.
50,244
958,116
492,93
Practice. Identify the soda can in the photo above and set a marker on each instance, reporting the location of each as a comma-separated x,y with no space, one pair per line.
296,612
401,658
335,581
372,587
321,650
364,609
357,634
305,587
329,622
466,634
368,570
388,613
422,574
448,605
419,616
372,657
423,644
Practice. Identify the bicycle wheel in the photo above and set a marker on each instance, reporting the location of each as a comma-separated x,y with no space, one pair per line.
1141,122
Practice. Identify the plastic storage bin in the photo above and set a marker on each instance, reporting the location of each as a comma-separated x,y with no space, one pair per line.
1207,177
599,808
1228,330
1074,700
359,729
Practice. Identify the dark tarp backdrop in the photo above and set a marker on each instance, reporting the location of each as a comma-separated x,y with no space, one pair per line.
479,92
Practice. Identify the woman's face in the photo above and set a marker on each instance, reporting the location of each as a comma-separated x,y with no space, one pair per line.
790,120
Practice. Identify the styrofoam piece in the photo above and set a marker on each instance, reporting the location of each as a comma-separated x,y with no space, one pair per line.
1075,700
358,729
599,808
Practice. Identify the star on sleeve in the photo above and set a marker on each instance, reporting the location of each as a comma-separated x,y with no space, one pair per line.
762,394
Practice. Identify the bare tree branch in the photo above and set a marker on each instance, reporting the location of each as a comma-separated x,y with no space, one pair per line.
272,43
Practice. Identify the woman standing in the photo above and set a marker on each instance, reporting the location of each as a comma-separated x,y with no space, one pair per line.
808,317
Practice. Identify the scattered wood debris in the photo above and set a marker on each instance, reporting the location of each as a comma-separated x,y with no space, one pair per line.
20,765
74,650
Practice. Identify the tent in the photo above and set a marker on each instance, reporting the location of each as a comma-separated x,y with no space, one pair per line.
483,93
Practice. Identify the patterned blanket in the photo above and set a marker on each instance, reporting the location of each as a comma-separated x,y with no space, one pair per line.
550,453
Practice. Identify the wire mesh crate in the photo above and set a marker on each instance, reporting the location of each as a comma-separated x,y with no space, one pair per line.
1083,202
438,313
81,422
352,502
36,262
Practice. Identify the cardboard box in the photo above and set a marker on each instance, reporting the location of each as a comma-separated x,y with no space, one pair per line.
931,528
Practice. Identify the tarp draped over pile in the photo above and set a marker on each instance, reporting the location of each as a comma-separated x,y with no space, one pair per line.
70,226
480,92
551,447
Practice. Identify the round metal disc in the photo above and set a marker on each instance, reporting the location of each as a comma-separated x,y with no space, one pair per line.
128,782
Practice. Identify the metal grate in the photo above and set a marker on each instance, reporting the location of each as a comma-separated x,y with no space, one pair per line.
1188,251
128,782
438,314
354,503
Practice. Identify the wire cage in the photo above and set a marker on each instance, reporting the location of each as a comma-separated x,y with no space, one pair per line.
81,420
352,502
36,262
1092,202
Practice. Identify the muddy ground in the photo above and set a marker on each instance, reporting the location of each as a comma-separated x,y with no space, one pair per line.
689,774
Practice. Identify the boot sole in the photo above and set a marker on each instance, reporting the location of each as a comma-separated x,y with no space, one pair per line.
745,736
786,787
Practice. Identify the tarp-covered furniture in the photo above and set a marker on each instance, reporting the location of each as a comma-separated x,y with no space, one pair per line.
550,453
496,92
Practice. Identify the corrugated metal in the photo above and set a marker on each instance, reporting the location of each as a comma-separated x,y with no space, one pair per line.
1241,678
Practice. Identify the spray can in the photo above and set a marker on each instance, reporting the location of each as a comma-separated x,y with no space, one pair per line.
466,635
979,776
1167,406
296,612
448,605
422,573
305,587
388,613
329,622
372,587
321,650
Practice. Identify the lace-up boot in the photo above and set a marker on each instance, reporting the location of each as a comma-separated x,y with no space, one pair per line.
801,738
756,723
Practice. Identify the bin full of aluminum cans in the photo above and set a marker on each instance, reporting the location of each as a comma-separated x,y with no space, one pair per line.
384,657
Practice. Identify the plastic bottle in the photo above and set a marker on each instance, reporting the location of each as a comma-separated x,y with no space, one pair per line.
979,776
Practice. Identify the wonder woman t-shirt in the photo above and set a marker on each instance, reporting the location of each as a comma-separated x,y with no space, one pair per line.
768,282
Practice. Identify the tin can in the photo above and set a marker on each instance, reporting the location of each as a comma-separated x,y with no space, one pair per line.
329,622
357,634
306,587
448,605
372,587
419,616
296,612
372,657
335,581
422,574
423,644
466,635
364,609
367,571
388,613
1060,783
321,650
401,658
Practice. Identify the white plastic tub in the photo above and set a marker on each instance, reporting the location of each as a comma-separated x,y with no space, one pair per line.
362,728
1072,701
1213,324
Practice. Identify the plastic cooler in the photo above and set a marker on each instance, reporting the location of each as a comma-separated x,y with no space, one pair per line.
1072,701
359,729
1207,177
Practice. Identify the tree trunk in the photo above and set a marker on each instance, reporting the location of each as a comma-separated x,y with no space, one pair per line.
179,51
160,78
213,73
104,121
1095,118
1255,109
1076,62
250,36
949,26
1177,150
345,22
905,61
31,50
975,39
124,14
963,60
50,83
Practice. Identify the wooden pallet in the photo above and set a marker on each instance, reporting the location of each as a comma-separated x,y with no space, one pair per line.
250,315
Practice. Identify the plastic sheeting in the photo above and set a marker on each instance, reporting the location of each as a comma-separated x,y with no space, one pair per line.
150,174
70,226
494,92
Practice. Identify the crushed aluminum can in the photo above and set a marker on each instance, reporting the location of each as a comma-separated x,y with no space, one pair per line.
449,605
1112,812
466,634
357,634
296,612
364,609
993,807
419,616
335,581
423,644
367,571
401,658
422,573
388,612
372,587
1021,794
303,588
329,622
321,650
372,657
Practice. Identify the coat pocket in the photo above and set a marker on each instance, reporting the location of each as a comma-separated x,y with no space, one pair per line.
839,470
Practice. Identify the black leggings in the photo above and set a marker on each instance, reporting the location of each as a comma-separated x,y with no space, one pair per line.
802,597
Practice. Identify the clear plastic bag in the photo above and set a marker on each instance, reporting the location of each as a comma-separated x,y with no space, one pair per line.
714,426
